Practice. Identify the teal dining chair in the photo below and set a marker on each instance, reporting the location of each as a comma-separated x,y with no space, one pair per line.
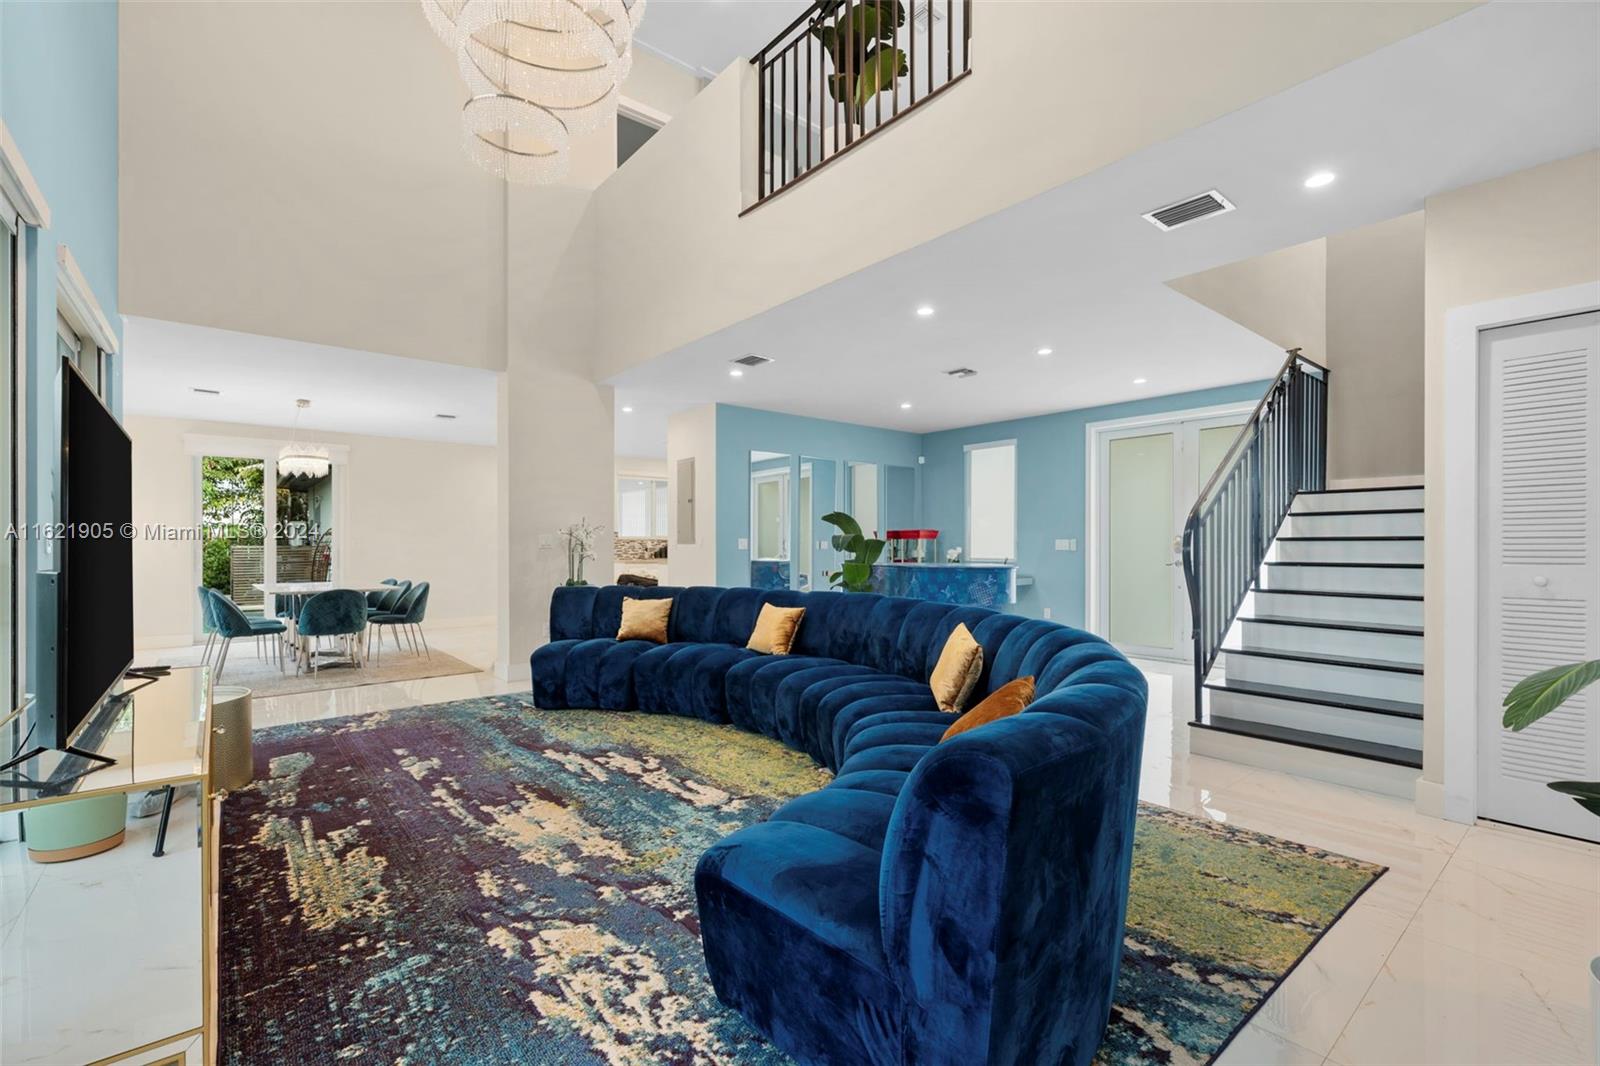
339,613
407,618
232,623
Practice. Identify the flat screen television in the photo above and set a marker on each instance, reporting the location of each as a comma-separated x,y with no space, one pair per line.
95,563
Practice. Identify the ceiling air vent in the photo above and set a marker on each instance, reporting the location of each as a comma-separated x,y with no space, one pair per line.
1191,210
961,372
752,360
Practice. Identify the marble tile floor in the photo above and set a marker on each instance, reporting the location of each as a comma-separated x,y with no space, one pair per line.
1472,949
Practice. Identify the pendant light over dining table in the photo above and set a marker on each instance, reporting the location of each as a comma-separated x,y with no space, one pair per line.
537,71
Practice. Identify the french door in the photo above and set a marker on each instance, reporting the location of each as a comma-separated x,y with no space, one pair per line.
1148,474
1539,576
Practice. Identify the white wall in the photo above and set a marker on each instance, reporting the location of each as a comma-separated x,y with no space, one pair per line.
1532,231
1281,295
692,434
422,510
1374,319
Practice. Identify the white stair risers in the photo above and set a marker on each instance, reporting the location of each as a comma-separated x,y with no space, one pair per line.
1357,610
1257,634
1368,524
1322,677
1377,580
1356,500
1347,770
1352,550
1391,729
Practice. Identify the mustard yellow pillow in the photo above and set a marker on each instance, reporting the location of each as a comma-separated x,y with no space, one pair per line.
1003,702
957,672
775,629
645,619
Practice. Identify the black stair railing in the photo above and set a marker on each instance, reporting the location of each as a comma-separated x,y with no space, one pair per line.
1280,451
845,69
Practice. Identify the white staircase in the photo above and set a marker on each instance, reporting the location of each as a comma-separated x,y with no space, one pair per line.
1325,654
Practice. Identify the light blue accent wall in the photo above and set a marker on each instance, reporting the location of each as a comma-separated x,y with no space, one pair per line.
58,98
741,430
1051,489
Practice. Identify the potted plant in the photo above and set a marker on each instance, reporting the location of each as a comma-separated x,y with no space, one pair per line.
580,538
855,573
858,37
1530,700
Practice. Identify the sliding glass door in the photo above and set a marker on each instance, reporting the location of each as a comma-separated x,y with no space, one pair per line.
10,458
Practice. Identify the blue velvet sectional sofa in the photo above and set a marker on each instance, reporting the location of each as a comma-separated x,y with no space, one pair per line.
955,903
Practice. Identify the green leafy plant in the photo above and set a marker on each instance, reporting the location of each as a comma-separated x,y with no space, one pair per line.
1534,697
858,36
855,573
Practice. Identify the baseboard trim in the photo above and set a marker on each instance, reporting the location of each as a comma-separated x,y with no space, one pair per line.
1402,481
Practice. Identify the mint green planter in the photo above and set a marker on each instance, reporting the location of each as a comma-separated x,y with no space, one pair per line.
76,829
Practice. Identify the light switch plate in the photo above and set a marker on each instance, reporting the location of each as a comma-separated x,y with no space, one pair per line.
546,542
1061,544
1047,612
744,543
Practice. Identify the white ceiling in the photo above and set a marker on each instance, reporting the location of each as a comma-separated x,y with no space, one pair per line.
261,377
1499,89
707,35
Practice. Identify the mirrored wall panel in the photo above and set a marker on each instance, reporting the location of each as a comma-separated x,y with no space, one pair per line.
819,495
861,497
771,497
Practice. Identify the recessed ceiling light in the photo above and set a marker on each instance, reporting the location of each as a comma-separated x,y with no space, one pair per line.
736,373
1044,351
627,410
1320,178
205,392
925,310
905,407
1140,381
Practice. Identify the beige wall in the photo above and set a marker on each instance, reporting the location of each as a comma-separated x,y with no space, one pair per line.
1527,232
669,224
424,510
692,434
1281,295
658,88
1374,350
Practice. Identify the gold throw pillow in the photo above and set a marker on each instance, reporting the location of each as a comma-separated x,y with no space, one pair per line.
775,629
1003,702
645,619
956,674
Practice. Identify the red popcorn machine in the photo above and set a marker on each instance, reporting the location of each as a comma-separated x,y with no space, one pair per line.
913,545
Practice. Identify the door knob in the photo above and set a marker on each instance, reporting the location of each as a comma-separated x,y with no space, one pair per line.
1541,581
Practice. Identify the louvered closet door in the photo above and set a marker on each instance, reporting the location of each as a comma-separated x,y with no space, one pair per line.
1540,535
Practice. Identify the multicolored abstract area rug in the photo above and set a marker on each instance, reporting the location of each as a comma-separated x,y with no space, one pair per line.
483,882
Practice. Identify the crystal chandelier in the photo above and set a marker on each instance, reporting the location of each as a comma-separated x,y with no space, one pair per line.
303,460
537,71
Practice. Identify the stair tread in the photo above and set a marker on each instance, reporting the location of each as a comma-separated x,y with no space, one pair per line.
1358,537
1342,492
1361,749
1320,623
1375,704
1255,588
1354,661
1356,510
1347,566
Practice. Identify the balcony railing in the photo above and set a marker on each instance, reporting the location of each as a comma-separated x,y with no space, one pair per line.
846,69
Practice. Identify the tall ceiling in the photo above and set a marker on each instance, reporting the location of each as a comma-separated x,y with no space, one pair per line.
1077,270
707,35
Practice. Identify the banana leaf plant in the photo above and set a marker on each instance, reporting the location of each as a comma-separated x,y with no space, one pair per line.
858,36
1536,696
855,573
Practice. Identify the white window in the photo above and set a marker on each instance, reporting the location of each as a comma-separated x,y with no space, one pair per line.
641,507
992,502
